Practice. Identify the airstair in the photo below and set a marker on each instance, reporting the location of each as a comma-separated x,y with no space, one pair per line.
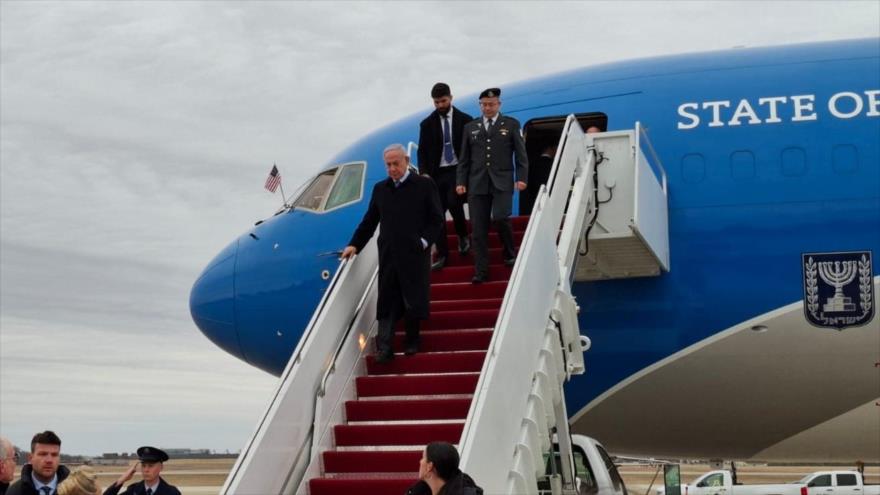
489,377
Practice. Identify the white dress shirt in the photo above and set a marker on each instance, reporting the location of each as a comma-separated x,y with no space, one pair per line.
39,484
494,120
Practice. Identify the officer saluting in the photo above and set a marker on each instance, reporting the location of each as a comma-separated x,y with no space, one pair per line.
151,460
492,147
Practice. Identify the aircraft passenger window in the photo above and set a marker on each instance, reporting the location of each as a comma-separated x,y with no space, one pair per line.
824,480
846,480
348,186
313,196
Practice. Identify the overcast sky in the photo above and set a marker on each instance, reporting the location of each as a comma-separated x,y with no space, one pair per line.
136,137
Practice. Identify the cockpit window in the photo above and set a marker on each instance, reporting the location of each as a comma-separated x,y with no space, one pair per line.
333,188
313,196
347,187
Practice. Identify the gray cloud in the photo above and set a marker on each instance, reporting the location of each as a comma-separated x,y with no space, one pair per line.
136,137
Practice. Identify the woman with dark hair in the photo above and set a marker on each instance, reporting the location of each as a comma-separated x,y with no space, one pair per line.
439,473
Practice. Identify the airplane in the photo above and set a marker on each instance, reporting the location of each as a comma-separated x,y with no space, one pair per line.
745,349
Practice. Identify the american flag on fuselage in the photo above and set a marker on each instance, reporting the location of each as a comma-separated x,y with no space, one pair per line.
273,180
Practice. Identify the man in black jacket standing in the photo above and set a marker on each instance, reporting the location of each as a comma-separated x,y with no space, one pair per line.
439,148
407,208
44,472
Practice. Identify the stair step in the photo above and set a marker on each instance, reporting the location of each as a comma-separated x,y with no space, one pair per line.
518,223
463,304
456,259
471,318
494,239
450,340
371,461
397,434
381,386
432,362
403,410
361,486
463,273
487,290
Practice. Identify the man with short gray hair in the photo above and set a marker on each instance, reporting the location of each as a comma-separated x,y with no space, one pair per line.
407,207
7,464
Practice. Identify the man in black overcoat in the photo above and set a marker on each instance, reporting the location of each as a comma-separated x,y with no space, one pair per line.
492,149
439,148
407,208
43,472
151,461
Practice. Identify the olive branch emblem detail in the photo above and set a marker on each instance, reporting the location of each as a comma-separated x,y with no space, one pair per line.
838,274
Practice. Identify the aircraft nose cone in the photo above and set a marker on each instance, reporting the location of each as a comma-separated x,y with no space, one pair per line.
211,301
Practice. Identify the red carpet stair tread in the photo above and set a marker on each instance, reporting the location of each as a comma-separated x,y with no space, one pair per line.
414,400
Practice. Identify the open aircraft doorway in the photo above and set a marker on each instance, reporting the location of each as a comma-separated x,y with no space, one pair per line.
542,136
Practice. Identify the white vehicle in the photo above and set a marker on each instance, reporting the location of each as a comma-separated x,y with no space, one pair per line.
595,470
838,483
720,482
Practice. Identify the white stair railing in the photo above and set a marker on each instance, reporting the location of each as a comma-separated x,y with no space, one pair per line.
276,457
519,402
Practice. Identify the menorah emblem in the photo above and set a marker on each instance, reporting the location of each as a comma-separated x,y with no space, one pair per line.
838,274
844,281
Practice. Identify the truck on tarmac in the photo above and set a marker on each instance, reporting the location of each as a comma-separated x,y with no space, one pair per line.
594,469
838,483
720,482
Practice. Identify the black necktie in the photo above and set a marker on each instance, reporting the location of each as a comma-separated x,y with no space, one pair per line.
149,491
489,126
46,490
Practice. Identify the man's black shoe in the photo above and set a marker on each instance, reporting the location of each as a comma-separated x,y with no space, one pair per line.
384,357
464,245
439,264
411,348
479,278
510,262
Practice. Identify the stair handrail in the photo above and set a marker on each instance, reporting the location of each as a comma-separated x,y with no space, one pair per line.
275,467
514,352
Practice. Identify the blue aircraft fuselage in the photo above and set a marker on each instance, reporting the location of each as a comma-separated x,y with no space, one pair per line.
769,152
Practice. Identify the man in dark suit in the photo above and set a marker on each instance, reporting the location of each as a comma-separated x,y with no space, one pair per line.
439,149
151,462
492,148
407,207
43,472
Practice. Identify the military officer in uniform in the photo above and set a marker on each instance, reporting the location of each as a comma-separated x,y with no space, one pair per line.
151,462
492,150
